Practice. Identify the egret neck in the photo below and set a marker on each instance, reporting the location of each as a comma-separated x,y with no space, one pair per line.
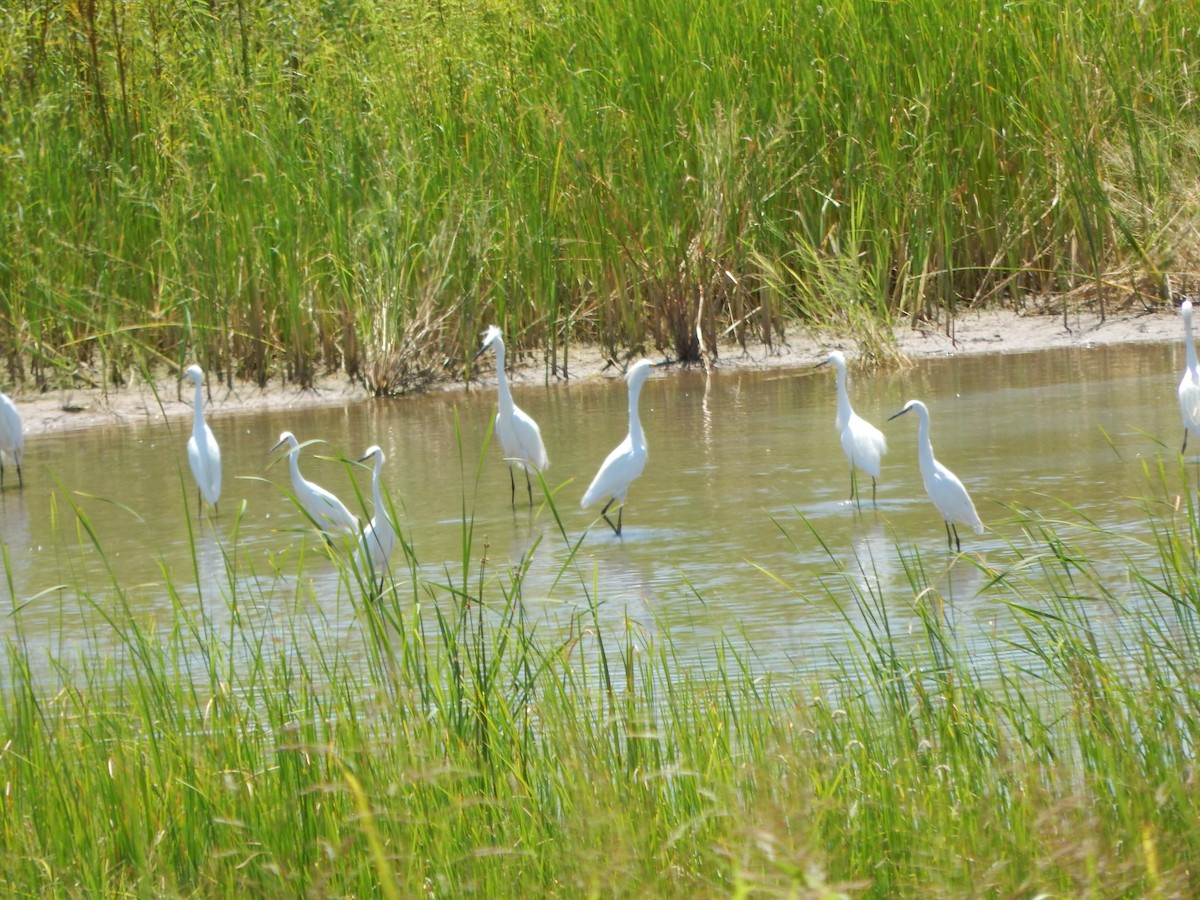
198,418
636,438
924,445
843,413
503,398
1191,344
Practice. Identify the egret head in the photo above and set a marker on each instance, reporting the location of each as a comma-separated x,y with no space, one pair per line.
1186,309
911,404
193,372
836,357
639,372
492,337
373,453
285,437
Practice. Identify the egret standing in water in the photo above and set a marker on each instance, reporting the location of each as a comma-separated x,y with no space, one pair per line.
942,485
12,436
327,511
379,537
204,456
863,443
1189,385
628,460
520,437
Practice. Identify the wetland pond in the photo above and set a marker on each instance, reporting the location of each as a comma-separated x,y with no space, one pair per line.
739,530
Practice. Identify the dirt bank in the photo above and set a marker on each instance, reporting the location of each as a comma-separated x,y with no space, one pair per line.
989,331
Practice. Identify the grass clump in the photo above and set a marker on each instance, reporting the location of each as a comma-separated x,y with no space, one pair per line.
433,739
300,186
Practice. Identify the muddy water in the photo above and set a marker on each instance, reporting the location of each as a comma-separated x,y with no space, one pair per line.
740,526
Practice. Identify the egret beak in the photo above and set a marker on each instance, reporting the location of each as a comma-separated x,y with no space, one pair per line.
482,350
823,362
279,443
902,412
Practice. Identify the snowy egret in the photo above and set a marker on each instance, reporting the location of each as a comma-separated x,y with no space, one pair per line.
329,513
1189,385
204,456
942,485
628,460
520,437
863,443
379,537
12,436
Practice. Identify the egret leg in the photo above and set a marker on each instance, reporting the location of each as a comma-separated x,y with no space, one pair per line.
529,488
949,539
873,503
2,467
512,494
620,513
604,513
852,481
1184,447
20,479
957,542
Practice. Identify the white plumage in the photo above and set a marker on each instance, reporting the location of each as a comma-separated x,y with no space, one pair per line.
1189,384
628,460
330,513
204,456
863,443
942,485
379,537
12,436
519,435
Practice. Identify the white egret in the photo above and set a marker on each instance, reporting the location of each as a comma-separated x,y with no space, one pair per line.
1189,385
520,437
628,460
863,443
379,537
942,485
12,436
204,456
327,511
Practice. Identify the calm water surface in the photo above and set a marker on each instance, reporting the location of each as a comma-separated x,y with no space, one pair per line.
739,527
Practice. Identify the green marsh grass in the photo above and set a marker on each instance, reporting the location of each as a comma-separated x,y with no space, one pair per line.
281,189
288,734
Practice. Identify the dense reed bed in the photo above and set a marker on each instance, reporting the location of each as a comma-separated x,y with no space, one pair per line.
444,745
297,186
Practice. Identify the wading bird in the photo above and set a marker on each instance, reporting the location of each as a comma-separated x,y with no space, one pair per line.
520,437
379,537
1189,385
204,456
628,460
863,443
327,511
942,485
12,436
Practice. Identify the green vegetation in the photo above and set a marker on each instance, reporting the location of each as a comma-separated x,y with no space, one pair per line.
443,746
295,185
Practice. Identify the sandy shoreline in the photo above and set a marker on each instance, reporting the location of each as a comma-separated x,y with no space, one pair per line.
975,333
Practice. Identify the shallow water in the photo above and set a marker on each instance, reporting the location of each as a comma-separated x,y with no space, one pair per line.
739,527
